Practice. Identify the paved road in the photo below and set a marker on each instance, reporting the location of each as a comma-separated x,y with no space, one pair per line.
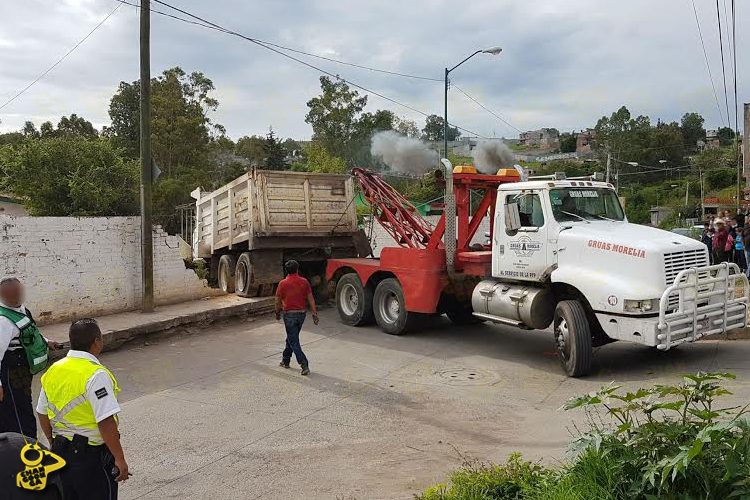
209,414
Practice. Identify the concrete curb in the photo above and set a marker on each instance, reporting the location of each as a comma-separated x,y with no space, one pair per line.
115,338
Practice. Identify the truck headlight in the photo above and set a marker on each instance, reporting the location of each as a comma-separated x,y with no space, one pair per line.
640,306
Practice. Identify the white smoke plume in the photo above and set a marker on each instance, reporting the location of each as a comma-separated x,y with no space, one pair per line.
403,154
492,155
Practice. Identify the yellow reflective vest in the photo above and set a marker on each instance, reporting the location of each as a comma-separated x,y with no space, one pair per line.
68,407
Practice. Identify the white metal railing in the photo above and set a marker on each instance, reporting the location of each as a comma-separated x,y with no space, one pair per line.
710,300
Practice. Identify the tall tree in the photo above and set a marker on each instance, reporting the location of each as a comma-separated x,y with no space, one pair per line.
251,148
275,154
624,136
405,127
181,134
568,141
433,129
334,114
29,130
726,136
76,126
692,130
180,125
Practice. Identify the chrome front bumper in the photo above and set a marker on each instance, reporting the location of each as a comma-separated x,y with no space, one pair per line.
702,301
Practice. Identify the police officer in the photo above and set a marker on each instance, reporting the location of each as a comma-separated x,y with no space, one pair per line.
78,411
16,410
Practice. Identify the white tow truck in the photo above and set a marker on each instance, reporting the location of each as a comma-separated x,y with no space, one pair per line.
561,254
597,276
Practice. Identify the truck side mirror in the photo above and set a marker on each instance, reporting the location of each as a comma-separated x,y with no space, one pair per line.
512,217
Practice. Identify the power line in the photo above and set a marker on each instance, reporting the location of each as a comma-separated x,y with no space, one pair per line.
655,170
723,68
487,109
211,25
309,54
708,66
45,72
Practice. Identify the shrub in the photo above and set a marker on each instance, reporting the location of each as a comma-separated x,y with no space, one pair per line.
516,479
666,442
671,441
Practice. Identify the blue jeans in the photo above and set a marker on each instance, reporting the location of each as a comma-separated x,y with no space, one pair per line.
747,262
293,324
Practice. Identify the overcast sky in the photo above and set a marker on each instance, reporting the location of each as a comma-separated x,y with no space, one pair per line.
564,64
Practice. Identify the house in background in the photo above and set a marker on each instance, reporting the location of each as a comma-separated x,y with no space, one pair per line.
584,141
543,139
12,206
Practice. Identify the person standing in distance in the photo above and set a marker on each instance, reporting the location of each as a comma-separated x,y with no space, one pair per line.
78,411
16,407
292,297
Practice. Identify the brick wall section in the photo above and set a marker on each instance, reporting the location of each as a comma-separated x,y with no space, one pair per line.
75,267
381,239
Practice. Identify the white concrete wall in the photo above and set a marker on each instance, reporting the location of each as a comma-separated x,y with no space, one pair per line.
89,266
381,239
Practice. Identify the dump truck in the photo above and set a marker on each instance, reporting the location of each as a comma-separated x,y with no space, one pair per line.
561,254
249,227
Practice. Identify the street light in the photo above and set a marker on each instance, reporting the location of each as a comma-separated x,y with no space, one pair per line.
493,51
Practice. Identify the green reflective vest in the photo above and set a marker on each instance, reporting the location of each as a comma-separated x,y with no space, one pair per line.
31,339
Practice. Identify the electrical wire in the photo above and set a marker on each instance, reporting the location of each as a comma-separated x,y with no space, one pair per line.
211,25
721,48
45,72
736,109
656,170
318,56
708,66
487,109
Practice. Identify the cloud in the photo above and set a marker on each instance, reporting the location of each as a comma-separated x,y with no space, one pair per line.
564,63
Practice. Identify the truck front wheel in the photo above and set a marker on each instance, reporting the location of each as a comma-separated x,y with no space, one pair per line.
227,265
573,338
353,301
389,307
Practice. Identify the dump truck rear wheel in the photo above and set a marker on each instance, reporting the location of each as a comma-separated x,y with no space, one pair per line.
227,265
573,338
243,277
389,307
353,301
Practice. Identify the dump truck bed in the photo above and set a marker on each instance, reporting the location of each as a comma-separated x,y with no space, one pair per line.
274,203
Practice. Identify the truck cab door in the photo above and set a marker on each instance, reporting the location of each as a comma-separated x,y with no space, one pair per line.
519,246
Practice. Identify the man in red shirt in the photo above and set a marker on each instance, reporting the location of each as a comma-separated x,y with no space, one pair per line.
292,297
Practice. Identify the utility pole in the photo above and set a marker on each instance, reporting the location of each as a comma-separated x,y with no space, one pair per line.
609,163
147,249
703,206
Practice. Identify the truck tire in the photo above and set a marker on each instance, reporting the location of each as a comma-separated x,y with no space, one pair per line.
573,338
227,264
389,307
243,277
460,313
353,301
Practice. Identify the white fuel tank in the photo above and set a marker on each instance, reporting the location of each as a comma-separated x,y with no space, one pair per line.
533,307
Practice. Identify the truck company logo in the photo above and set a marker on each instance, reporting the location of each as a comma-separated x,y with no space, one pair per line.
613,247
524,247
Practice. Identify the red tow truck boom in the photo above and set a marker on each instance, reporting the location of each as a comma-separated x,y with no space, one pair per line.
419,277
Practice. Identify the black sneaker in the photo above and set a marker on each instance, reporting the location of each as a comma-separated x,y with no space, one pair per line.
305,370
284,365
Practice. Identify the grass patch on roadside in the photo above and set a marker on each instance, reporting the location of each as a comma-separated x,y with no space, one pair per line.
666,442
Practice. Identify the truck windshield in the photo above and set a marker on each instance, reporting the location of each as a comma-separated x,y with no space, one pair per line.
585,203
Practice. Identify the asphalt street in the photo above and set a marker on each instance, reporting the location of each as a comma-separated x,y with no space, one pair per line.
208,413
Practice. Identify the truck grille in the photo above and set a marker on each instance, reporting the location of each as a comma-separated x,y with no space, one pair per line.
678,261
